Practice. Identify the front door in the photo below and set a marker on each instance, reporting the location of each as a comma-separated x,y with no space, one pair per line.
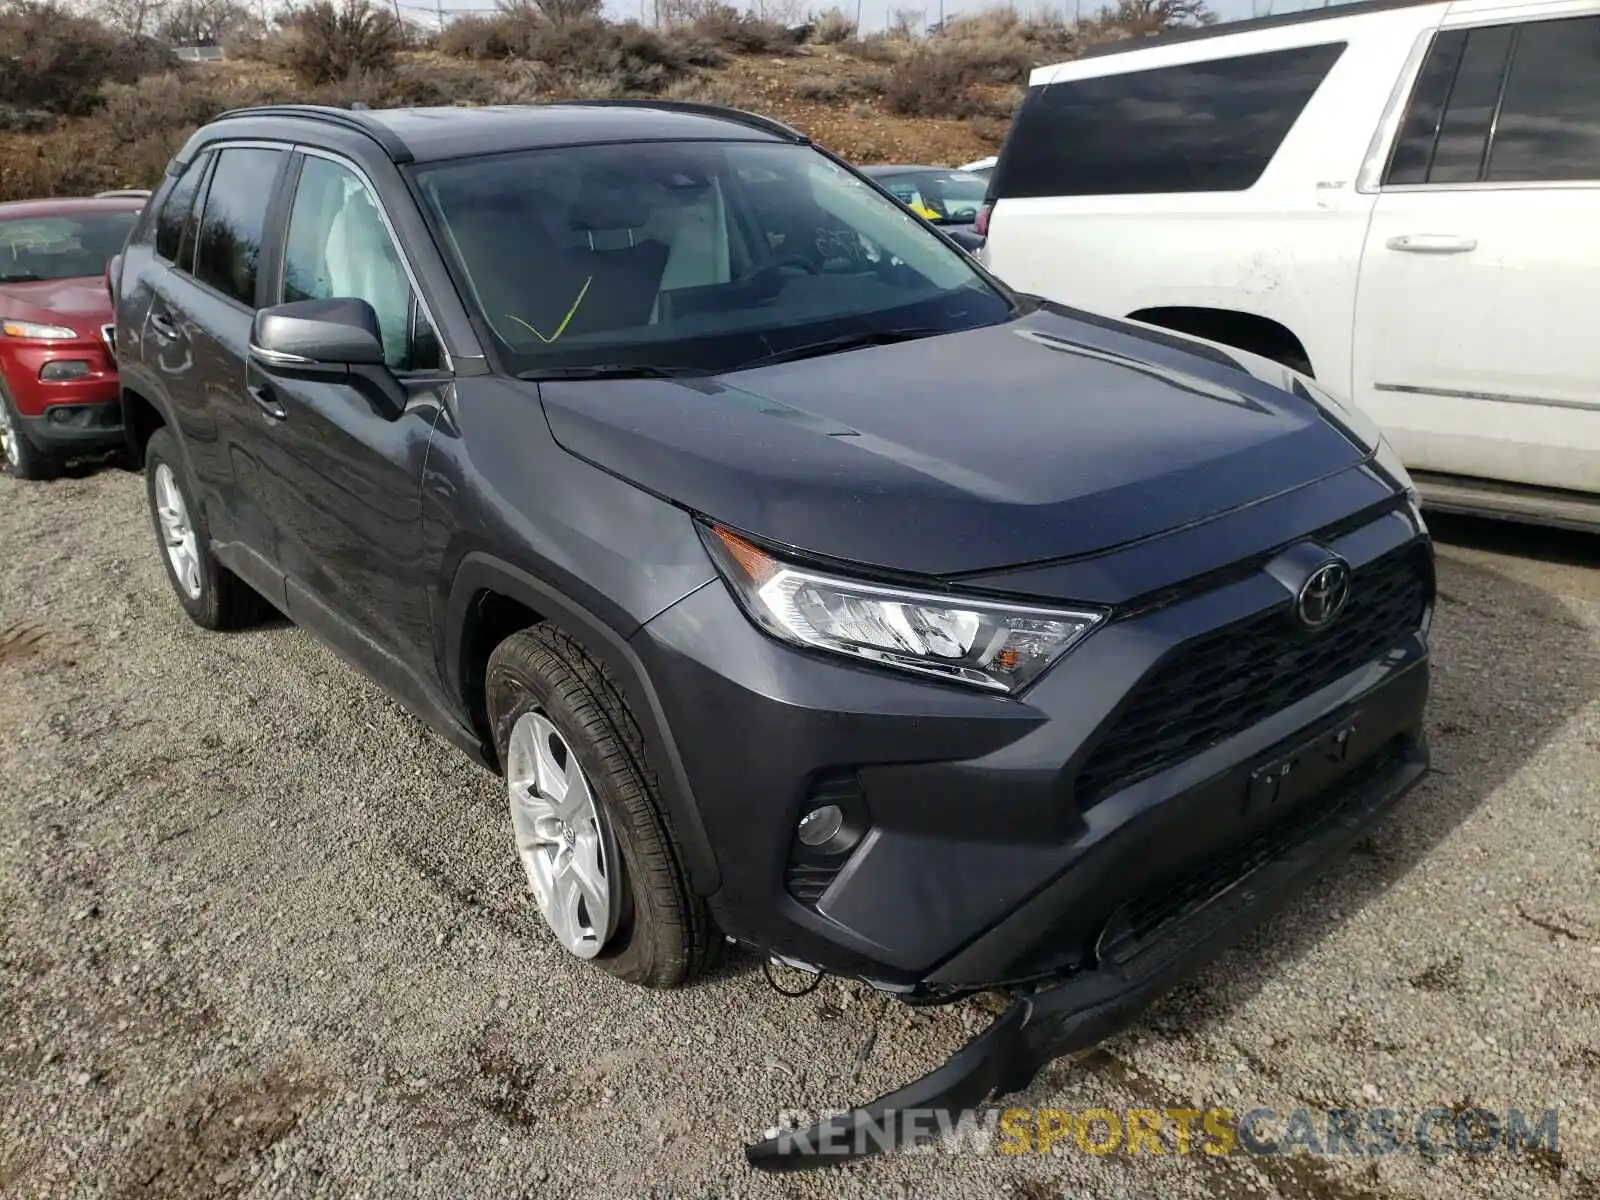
1481,268
341,462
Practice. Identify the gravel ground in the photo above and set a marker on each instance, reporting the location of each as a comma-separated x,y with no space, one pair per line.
262,934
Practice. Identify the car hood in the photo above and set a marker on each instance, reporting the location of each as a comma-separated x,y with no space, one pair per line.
78,300
1044,438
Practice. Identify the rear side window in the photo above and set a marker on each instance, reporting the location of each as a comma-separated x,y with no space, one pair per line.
1463,143
1413,150
1505,104
1201,127
1549,126
177,210
233,220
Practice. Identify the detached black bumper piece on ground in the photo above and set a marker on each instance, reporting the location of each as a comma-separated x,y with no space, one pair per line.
1212,910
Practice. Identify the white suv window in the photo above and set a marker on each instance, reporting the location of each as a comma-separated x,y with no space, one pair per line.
1505,104
1201,127
1549,126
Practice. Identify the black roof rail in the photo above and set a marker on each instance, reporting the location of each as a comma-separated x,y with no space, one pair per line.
1201,33
695,108
343,117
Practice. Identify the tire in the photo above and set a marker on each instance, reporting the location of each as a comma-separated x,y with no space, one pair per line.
218,599
20,458
662,934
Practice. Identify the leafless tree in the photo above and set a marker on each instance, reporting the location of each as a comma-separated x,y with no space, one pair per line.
130,16
202,22
905,24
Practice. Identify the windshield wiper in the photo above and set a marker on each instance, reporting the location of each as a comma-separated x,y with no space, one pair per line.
22,278
847,341
613,371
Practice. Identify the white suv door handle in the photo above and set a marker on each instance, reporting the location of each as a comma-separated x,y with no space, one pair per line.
1433,243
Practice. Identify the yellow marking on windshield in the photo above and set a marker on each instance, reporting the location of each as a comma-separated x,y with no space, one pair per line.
565,321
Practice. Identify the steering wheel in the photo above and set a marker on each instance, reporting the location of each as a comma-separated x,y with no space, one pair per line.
788,260
765,277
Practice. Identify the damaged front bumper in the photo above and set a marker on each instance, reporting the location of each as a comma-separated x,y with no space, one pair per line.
1131,971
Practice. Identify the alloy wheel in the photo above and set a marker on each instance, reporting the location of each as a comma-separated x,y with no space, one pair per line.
562,836
177,532
8,438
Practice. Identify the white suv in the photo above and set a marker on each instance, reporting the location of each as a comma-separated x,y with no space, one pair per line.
1401,198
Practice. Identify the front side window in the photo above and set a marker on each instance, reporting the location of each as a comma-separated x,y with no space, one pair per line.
1549,126
339,247
175,220
63,246
699,255
233,220
1202,127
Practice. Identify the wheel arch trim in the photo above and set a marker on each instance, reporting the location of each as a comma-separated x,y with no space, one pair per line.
481,572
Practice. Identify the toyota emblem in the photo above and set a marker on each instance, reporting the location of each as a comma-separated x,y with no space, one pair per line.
1323,595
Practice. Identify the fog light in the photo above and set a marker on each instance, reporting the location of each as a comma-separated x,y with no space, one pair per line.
63,370
820,826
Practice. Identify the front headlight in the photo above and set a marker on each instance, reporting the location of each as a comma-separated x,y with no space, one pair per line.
989,645
38,333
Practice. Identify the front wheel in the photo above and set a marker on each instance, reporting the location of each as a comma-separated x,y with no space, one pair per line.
587,817
19,457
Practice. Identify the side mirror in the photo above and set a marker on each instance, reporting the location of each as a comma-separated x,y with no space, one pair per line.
307,334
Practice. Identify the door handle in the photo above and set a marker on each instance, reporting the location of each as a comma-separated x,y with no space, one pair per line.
164,327
1433,243
264,401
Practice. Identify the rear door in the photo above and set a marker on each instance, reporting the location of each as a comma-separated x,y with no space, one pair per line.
199,331
1474,345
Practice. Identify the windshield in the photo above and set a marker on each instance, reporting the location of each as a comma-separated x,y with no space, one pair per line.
61,247
695,255
954,197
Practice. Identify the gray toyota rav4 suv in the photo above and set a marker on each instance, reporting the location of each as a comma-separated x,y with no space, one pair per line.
811,589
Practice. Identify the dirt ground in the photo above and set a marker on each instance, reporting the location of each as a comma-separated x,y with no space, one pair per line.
261,934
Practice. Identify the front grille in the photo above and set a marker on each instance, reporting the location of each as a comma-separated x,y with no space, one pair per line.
1221,684
1139,923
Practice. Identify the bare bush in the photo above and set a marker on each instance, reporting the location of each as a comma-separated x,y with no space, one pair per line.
990,130
483,37
1141,18
326,42
1001,46
930,85
57,62
832,26
703,89
744,33
635,60
839,89
158,106
875,47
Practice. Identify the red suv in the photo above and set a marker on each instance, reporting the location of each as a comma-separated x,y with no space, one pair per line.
58,376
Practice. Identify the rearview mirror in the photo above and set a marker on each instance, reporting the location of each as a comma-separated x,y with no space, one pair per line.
317,333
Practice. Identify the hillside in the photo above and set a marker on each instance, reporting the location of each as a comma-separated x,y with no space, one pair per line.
84,107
